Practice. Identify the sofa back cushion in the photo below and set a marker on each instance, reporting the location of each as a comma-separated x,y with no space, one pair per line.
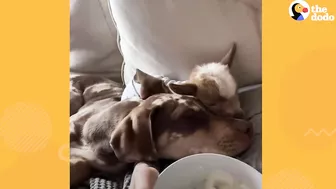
93,40
170,37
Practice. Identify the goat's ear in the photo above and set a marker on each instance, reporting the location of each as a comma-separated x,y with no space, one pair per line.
228,58
149,85
132,139
183,88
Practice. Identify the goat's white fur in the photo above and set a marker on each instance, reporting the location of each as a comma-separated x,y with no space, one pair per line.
221,75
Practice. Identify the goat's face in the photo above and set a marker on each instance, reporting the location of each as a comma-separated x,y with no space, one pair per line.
215,86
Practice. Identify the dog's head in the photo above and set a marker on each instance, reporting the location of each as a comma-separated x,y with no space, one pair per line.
214,85
156,127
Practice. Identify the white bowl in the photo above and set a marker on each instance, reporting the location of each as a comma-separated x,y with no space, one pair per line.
187,172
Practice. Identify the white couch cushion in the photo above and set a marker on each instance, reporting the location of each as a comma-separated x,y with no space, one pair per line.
93,40
168,37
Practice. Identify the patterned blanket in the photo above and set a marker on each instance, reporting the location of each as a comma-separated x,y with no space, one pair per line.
85,90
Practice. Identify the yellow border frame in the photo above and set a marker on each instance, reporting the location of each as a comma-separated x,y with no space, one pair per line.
299,125
34,107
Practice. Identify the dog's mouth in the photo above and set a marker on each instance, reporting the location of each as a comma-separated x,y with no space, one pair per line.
247,129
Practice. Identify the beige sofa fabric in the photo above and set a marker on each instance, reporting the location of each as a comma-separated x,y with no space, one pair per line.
169,37
251,102
93,40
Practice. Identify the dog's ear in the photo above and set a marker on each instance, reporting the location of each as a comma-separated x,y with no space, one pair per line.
183,88
149,85
132,139
228,58
141,76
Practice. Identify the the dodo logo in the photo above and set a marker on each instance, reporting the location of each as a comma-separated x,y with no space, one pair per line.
299,10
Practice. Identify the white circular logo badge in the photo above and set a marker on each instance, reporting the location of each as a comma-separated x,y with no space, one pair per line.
299,10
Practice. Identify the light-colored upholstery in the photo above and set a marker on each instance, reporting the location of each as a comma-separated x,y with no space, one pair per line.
169,37
93,40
